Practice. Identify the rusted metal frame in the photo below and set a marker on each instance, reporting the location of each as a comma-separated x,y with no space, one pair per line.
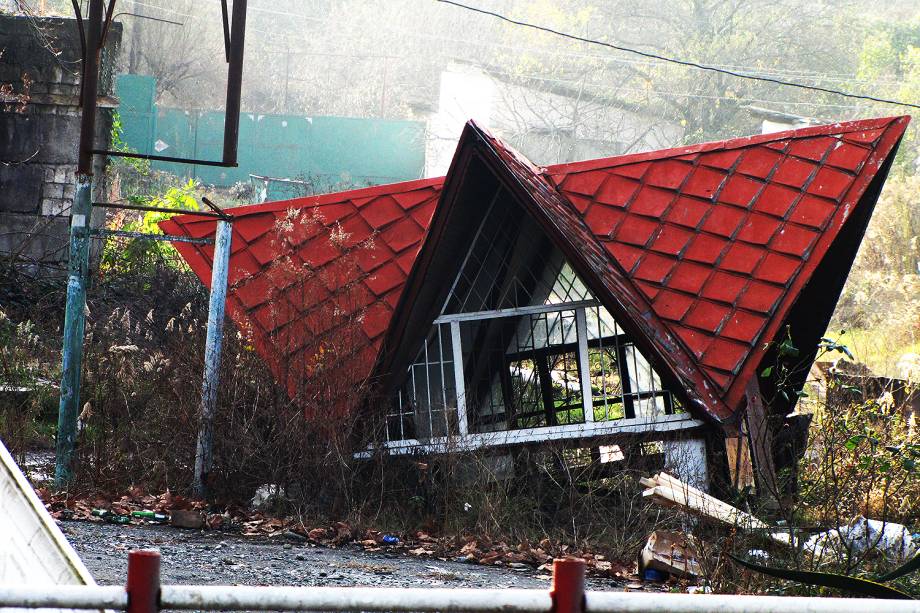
156,209
171,238
162,158
90,82
226,24
234,82
278,179
220,212
139,16
108,21
79,18
232,112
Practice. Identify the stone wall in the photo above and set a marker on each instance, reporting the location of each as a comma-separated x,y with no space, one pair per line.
39,134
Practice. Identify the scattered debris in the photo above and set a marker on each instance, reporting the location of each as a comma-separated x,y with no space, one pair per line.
266,495
669,553
672,492
190,519
137,506
110,517
150,515
860,535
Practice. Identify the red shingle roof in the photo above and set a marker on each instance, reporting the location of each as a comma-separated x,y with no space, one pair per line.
703,248
313,281
719,239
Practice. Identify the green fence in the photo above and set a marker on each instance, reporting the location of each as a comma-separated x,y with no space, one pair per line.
328,152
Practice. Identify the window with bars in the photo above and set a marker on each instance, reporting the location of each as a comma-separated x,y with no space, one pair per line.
522,343
425,406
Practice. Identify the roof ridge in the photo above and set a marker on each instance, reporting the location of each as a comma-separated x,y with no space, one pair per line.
844,127
609,281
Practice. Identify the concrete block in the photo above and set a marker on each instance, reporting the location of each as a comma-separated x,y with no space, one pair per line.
52,207
60,174
20,187
53,190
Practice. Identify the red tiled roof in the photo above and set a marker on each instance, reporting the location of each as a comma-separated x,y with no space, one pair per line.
313,281
718,240
703,248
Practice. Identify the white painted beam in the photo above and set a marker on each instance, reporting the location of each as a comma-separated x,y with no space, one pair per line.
481,440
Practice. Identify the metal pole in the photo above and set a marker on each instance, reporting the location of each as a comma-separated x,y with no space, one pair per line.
212,348
234,82
143,584
568,590
80,213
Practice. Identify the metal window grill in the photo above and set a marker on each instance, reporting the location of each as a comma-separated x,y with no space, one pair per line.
425,406
521,363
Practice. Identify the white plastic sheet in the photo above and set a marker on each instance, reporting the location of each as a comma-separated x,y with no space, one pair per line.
861,535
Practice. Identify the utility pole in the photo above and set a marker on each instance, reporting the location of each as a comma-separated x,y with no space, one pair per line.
81,234
77,269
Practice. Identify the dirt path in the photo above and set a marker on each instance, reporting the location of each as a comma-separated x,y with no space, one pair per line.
193,557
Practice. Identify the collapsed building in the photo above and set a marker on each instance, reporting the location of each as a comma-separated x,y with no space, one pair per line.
647,295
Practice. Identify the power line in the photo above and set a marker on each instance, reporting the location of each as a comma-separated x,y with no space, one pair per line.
672,60
838,77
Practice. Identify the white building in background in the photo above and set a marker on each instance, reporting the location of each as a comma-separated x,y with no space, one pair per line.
551,122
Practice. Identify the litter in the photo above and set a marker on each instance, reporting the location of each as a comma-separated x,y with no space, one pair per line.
667,553
672,492
860,535
110,517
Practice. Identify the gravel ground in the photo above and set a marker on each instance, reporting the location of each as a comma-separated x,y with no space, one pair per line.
193,557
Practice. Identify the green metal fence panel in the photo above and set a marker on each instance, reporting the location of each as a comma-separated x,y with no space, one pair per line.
136,95
328,152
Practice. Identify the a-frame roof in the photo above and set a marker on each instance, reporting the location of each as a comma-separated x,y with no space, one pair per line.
703,253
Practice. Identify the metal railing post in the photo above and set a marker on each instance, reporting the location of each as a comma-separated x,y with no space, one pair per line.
143,585
81,212
212,348
568,590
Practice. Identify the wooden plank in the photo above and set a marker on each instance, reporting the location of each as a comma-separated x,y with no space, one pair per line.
760,439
